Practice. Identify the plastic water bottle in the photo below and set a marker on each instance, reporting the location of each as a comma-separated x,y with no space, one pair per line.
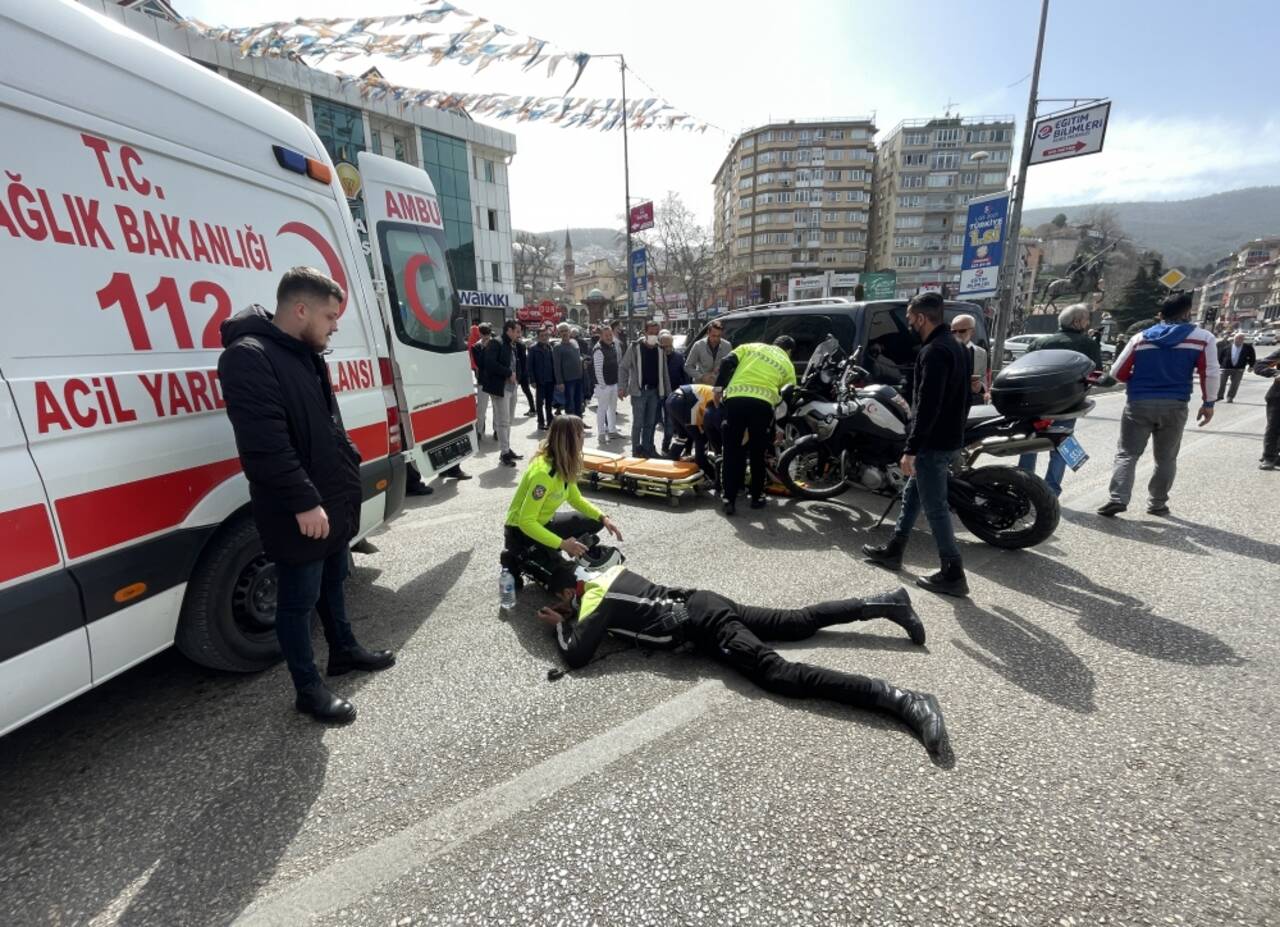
506,591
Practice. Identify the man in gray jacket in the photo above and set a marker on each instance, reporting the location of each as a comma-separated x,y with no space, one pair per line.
566,359
703,362
643,376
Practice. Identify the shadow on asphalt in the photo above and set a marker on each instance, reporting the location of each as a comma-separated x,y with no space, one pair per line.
177,789
1115,617
1026,655
793,524
1177,534
687,665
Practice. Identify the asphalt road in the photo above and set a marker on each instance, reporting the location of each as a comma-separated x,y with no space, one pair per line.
1110,696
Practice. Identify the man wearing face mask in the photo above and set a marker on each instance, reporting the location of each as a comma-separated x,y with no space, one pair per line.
644,377
939,408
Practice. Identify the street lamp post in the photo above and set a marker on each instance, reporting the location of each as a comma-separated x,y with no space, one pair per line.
1010,266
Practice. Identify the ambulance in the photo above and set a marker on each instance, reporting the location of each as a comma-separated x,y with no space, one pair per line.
143,200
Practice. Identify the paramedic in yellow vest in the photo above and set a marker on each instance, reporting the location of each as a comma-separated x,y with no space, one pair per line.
686,410
748,387
534,526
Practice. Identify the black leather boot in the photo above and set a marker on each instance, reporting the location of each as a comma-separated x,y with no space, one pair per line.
950,580
316,700
917,710
887,555
357,658
895,606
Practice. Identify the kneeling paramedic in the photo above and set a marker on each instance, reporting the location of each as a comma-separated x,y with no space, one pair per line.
534,529
686,410
750,384
625,604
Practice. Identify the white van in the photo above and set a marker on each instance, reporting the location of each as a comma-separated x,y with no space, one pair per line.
144,200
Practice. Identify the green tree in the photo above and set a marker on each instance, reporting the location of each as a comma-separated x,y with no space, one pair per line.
1059,220
1142,294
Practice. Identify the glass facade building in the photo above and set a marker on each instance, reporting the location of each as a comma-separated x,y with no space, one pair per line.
445,158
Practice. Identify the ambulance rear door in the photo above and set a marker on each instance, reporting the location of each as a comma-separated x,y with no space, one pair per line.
406,232
44,647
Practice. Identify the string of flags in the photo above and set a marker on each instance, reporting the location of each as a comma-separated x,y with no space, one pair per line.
479,42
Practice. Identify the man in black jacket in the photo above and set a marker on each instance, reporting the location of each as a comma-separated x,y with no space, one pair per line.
624,604
522,368
1234,357
498,378
303,472
940,407
543,373
1268,367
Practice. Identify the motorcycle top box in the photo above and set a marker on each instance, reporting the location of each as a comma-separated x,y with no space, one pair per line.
1042,383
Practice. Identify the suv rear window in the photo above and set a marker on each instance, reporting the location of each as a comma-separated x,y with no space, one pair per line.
809,330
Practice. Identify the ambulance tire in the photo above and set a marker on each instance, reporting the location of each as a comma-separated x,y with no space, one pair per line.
218,626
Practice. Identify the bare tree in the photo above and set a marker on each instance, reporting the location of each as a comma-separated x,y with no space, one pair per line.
681,255
534,263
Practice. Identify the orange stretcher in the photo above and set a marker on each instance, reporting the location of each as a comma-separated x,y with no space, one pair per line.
642,476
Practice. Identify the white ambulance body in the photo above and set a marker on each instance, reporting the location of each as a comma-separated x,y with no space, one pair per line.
144,199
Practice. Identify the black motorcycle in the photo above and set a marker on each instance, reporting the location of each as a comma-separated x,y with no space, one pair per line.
853,435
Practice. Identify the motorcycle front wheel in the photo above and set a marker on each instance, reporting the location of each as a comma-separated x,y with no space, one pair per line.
810,471
1006,507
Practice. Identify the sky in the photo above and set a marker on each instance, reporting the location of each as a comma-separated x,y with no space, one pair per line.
1195,109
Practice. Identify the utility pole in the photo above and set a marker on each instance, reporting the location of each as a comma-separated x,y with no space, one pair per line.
1011,265
626,186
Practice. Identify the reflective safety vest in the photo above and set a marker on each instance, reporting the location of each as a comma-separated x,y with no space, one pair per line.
762,371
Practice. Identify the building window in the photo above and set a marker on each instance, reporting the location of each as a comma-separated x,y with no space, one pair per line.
916,138
910,181
445,158
835,154
493,220
946,162
913,159
497,271
488,171
805,135
912,201
948,136
992,179
941,180
906,260
908,222
748,162
968,179
341,129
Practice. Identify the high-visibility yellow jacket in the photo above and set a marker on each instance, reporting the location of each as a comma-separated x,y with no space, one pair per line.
537,498
762,371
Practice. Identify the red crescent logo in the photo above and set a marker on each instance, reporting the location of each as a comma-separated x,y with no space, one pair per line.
411,291
318,241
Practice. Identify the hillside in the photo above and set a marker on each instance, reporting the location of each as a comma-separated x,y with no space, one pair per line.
588,244
1189,233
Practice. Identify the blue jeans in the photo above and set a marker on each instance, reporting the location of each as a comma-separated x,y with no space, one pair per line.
928,488
1057,466
645,406
301,587
573,397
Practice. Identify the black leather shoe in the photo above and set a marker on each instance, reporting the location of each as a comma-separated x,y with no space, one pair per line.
757,502
507,461
917,710
514,456
456,473
886,555
1112,509
896,607
730,507
419,489
316,700
1161,509
344,661
950,580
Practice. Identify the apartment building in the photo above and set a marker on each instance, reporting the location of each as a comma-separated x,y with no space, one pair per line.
793,199
926,171
467,161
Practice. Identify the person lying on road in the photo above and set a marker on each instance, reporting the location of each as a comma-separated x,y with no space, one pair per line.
623,603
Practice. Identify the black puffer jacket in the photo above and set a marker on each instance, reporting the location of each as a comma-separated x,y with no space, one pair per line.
497,363
293,446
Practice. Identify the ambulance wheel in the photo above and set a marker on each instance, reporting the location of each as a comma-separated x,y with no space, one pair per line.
229,612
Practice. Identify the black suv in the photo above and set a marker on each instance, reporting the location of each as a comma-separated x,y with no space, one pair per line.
879,328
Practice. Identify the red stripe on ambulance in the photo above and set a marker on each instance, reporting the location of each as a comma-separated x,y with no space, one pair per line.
26,542
102,518
370,440
437,420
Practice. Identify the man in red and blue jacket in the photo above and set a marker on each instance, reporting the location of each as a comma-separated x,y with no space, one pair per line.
1159,366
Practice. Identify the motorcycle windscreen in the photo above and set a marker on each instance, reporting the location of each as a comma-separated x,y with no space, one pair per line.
827,349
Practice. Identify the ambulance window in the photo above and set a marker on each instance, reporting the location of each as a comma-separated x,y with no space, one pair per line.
423,307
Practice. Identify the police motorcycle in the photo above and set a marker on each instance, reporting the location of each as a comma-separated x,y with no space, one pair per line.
857,431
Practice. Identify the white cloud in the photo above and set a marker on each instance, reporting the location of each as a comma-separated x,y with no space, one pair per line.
1162,159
